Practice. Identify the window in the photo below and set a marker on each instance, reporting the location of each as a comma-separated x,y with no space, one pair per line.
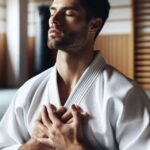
142,42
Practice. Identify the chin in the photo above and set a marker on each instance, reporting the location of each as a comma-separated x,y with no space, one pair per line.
57,44
52,43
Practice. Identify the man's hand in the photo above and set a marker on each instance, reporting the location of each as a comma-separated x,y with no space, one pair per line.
41,131
63,134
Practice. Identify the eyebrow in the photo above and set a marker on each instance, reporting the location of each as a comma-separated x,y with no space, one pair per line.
65,8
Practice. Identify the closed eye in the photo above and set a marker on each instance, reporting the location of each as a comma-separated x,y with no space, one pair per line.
51,12
71,13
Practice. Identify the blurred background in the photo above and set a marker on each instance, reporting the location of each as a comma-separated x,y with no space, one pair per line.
124,40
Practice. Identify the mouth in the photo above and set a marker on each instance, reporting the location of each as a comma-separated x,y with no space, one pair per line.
54,32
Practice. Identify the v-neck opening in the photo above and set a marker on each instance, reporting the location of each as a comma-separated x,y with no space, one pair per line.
81,87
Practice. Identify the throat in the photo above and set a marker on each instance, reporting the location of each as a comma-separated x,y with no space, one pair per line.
64,93
63,89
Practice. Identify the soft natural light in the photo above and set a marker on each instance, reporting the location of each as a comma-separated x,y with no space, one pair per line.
13,35
120,18
2,18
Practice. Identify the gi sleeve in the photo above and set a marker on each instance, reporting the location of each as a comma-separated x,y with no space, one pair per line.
133,124
13,131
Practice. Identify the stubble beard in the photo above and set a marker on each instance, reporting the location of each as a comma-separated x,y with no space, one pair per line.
54,43
69,43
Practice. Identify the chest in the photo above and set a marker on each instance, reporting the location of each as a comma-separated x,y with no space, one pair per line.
98,129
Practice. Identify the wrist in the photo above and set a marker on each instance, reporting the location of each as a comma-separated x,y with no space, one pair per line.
76,147
84,145
30,144
33,144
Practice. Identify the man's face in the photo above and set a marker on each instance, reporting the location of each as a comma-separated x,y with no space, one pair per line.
68,26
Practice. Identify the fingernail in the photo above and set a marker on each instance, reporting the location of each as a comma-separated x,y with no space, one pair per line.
44,106
86,114
77,106
74,106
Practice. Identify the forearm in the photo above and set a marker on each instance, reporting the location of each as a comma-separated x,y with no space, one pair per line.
32,144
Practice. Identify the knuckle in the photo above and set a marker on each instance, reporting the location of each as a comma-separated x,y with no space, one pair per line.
58,125
77,114
53,133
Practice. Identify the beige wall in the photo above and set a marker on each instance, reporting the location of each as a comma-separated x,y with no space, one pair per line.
116,39
118,51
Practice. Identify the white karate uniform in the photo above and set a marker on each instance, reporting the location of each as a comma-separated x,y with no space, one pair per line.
119,108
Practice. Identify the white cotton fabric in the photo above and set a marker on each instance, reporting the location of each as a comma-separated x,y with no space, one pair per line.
119,109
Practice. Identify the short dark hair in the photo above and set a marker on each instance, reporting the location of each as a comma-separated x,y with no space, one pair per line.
96,9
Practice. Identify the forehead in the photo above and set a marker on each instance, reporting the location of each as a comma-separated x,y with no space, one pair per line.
65,3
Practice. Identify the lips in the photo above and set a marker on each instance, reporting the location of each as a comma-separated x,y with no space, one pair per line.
53,32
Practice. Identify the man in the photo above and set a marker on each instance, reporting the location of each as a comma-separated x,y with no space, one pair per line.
81,103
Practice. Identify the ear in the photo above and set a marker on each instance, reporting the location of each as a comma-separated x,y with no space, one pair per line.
95,24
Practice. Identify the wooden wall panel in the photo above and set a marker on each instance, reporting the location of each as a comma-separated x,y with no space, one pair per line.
2,59
38,1
31,56
2,43
142,42
118,51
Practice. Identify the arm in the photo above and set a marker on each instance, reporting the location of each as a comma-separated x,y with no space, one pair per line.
10,135
133,124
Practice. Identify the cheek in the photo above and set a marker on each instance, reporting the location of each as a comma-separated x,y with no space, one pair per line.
50,21
76,25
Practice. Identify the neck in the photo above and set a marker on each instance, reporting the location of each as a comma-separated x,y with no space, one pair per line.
70,67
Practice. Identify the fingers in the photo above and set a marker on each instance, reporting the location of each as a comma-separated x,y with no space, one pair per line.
61,111
39,130
54,109
39,118
78,114
84,115
66,116
52,115
45,117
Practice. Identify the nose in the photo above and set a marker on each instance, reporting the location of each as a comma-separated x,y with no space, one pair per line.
54,19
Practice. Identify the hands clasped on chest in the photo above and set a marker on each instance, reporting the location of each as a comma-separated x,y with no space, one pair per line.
60,128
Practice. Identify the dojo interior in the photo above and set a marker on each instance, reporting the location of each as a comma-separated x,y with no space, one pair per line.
124,42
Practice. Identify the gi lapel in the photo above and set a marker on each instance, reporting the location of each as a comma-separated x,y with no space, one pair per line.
86,80
53,88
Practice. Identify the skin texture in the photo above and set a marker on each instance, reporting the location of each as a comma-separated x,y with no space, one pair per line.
57,129
65,19
62,135
73,37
